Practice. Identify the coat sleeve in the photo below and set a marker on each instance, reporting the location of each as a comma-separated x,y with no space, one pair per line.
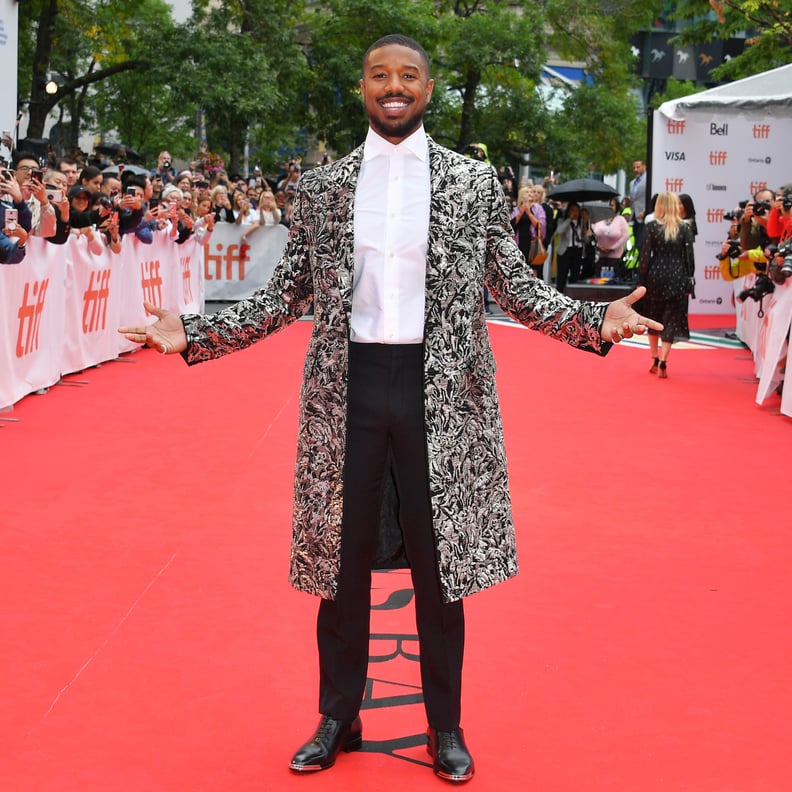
286,297
528,299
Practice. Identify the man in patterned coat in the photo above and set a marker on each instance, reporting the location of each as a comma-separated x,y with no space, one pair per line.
393,245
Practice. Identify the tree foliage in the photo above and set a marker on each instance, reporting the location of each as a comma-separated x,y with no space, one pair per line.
271,77
768,26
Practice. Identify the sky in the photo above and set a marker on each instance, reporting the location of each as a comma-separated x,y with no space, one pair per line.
181,9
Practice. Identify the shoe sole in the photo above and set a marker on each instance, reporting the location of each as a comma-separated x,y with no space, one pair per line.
353,744
458,779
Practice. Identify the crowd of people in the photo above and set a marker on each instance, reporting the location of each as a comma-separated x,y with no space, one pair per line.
55,198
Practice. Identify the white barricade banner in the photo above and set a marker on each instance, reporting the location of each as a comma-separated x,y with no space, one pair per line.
62,305
774,341
719,157
230,273
93,306
32,300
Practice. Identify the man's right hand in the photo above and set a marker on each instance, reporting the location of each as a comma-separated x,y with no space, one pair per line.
166,335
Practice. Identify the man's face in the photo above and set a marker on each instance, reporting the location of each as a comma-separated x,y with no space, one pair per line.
111,186
59,182
396,89
639,167
24,169
70,171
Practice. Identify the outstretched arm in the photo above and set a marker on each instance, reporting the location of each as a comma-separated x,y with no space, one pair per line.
623,321
166,334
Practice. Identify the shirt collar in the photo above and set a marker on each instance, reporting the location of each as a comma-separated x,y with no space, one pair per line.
377,146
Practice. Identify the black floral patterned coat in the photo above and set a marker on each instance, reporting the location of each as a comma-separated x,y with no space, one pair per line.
470,244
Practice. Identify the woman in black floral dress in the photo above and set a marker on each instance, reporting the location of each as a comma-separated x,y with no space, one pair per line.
665,269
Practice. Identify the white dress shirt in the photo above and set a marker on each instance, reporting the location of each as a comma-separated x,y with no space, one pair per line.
391,240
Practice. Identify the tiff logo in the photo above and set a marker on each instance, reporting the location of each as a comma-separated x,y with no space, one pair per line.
95,302
715,215
29,315
674,185
756,186
761,131
151,281
233,254
717,158
712,272
186,284
675,127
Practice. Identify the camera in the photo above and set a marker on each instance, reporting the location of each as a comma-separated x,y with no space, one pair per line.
734,251
56,196
762,287
786,202
11,218
761,208
782,260
166,164
736,214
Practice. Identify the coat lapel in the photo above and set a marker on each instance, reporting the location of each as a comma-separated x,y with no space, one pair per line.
344,184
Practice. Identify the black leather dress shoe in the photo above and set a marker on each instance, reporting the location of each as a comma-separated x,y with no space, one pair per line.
331,736
452,760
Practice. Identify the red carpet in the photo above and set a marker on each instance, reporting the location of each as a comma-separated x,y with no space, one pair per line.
152,641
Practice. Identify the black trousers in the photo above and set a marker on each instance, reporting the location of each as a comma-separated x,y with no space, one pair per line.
385,410
568,266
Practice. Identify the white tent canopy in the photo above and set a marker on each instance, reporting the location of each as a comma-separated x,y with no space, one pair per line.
766,91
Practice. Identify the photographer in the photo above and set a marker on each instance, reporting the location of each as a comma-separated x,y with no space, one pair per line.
56,185
29,177
13,237
131,208
753,221
164,168
735,262
779,220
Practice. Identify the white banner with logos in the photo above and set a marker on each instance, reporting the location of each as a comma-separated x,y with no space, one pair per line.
233,273
62,305
720,157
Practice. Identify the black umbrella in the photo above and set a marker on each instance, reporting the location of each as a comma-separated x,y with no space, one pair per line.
583,190
118,151
112,170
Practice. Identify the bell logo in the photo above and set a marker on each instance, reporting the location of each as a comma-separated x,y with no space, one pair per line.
715,215
95,302
29,315
761,131
233,254
674,185
675,127
719,129
717,158
151,281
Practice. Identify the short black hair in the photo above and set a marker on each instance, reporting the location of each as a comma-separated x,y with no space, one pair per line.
18,156
403,41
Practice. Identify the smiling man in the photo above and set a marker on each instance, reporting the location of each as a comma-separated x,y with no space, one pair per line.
393,245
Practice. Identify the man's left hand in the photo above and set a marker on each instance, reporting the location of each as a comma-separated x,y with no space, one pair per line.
623,321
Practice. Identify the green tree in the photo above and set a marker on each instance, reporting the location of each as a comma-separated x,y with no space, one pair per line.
81,44
243,66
